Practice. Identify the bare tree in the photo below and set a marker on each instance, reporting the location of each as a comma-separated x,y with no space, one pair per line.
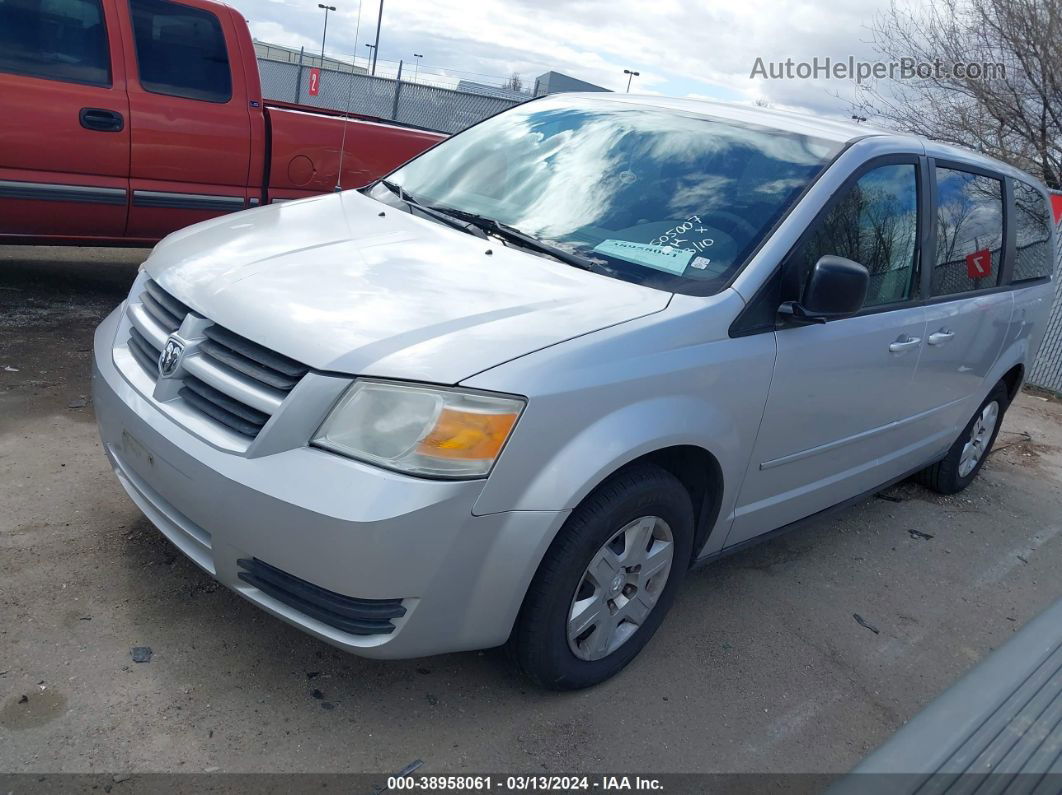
515,82
1015,116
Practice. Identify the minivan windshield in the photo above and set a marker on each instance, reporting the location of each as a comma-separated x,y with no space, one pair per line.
672,200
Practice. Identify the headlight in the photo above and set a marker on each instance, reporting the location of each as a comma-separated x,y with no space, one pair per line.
422,430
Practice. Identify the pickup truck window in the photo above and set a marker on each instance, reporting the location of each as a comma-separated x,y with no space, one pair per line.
180,51
664,198
62,40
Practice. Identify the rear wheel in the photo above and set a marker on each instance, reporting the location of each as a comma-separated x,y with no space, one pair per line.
964,460
607,580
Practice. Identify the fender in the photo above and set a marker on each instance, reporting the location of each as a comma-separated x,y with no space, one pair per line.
624,394
623,436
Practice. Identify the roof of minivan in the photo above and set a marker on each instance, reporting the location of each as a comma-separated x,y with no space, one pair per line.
817,126
837,130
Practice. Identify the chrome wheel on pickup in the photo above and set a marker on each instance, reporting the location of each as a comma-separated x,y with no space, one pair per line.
620,588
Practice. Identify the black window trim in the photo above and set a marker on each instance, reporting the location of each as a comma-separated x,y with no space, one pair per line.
107,48
228,59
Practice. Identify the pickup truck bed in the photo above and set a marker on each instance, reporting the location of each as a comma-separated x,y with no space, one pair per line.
304,147
999,729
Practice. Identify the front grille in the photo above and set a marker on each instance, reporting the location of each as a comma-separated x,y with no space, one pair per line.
219,406
144,351
231,380
346,613
167,311
252,360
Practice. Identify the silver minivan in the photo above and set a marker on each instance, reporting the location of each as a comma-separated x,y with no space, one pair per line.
510,393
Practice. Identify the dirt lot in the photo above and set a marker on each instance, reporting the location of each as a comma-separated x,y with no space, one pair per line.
760,666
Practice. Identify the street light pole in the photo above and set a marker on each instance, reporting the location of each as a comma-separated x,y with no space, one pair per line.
357,30
416,70
376,46
372,61
630,76
324,33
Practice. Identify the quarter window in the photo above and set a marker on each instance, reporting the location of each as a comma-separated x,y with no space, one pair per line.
1032,223
969,232
55,39
875,223
180,51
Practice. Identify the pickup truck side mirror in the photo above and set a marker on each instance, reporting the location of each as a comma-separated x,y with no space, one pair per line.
836,288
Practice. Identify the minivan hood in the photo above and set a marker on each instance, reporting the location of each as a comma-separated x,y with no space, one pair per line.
342,282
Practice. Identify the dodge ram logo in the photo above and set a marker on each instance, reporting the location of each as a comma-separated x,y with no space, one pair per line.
170,357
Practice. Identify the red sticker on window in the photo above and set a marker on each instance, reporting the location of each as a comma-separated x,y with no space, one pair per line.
315,81
979,264
1056,202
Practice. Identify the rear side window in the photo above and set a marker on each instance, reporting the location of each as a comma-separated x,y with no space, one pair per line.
1032,221
875,223
55,39
969,232
180,51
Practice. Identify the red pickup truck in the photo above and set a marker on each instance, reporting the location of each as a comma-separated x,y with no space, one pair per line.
122,120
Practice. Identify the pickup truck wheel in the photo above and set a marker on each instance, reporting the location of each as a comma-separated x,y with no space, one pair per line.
964,460
607,580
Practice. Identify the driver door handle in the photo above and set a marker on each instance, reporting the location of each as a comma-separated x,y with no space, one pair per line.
904,343
101,119
940,337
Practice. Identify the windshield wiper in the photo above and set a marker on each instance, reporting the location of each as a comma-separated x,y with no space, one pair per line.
445,217
467,221
513,235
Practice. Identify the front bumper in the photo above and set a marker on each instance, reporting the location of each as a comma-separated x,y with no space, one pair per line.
337,524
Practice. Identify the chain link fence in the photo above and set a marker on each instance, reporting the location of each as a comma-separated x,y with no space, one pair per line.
1046,371
420,105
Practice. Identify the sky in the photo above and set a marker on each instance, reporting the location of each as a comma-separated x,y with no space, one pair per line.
679,48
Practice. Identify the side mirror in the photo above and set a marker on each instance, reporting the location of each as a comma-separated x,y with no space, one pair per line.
836,288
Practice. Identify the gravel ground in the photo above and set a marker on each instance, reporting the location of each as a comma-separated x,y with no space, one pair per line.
760,666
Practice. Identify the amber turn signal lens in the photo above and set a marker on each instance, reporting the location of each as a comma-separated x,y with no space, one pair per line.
467,435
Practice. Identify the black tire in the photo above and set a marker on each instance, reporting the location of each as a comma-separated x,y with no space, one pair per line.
539,643
943,477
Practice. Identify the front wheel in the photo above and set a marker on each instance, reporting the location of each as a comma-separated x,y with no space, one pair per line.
964,460
607,580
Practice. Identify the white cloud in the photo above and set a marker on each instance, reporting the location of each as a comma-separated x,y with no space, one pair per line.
680,48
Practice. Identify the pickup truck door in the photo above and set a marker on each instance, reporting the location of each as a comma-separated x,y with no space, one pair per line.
64,131
190,114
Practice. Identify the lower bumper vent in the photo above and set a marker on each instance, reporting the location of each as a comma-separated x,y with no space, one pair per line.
346,613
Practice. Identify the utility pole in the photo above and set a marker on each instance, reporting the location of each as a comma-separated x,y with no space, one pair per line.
357,29
630,76
324,33
376,46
